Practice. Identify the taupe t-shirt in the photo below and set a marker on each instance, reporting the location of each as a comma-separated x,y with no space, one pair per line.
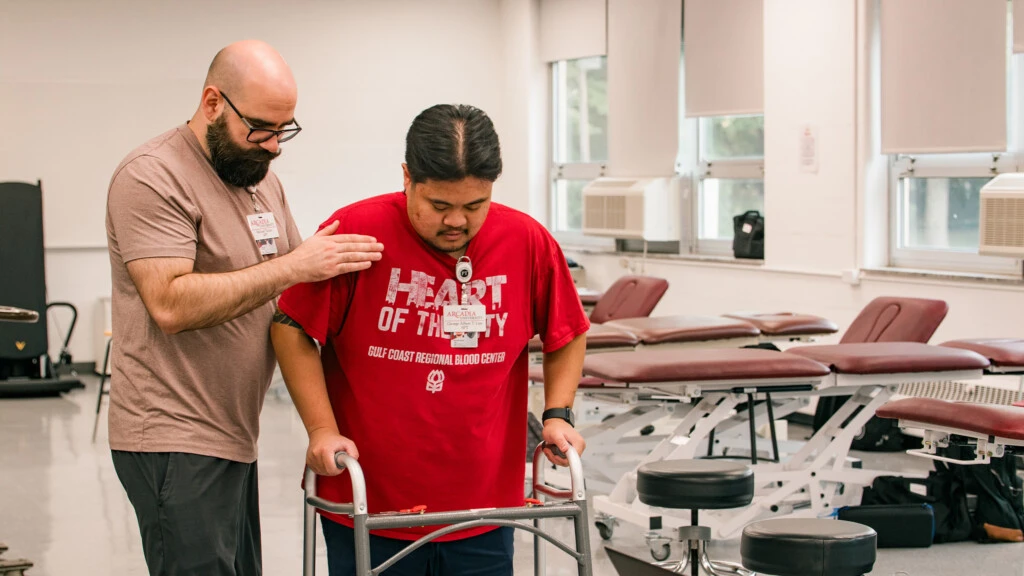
198,391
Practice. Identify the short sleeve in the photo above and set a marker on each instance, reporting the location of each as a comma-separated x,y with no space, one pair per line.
151,216
320,307
558,315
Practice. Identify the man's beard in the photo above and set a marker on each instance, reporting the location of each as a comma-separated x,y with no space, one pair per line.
236,165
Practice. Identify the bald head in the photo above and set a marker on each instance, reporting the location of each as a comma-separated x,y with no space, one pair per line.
249,90
251,68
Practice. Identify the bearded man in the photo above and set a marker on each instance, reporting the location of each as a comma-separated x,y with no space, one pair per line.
201,243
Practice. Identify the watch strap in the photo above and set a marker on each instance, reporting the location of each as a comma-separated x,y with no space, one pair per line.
562,413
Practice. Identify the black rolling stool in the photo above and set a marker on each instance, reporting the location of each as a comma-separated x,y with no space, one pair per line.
808,547
696,485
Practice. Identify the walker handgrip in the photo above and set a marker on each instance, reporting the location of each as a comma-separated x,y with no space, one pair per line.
355,472
576,492
343,460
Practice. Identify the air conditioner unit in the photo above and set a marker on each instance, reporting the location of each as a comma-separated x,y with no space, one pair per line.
632,208
1002,217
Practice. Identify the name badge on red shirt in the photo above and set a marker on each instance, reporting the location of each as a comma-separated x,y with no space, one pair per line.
467,318
464,324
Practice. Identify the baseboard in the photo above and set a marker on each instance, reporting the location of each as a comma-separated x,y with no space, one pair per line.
76,369
80,368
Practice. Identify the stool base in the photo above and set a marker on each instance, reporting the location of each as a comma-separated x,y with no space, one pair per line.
695,557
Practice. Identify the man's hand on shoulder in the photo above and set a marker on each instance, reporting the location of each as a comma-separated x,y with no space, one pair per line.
326,255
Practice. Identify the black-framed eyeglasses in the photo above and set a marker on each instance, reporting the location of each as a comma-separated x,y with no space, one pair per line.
261,135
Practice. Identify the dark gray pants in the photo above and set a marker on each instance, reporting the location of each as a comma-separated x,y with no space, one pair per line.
197,514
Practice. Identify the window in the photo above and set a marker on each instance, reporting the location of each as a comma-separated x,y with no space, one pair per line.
940,213
568,204
724,155
935,199
721,199
731,168
936,202
580,138
732,137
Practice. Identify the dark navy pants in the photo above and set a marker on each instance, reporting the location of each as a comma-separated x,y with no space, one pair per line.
488,554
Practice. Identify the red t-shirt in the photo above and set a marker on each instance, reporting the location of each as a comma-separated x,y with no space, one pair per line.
436,425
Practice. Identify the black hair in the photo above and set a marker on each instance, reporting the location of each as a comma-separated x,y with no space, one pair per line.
450,142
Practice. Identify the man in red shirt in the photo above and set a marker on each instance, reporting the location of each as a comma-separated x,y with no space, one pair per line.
422,374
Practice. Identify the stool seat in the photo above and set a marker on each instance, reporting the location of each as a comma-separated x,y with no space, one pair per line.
695,484
808,547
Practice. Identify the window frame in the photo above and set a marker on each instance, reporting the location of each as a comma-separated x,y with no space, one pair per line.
963,165
693,164
724,168
978,165
560,170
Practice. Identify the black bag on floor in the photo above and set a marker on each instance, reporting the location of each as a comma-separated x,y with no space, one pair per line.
748,235
944,490
999,516
897,525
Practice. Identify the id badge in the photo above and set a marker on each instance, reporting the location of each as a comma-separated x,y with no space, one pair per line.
465,318
263,226
465,340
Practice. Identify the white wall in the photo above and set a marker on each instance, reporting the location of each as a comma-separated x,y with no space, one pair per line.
81,277
82,83
819,224
525,102
809,79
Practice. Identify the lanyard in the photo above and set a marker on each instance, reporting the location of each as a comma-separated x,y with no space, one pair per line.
252,195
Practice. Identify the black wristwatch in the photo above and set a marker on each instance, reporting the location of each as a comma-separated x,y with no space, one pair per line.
563,413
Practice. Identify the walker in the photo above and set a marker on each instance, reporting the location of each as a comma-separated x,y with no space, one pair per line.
574,506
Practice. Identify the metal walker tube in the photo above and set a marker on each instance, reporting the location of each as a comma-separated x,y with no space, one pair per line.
363,522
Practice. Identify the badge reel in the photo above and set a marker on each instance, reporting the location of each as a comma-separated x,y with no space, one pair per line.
464,322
